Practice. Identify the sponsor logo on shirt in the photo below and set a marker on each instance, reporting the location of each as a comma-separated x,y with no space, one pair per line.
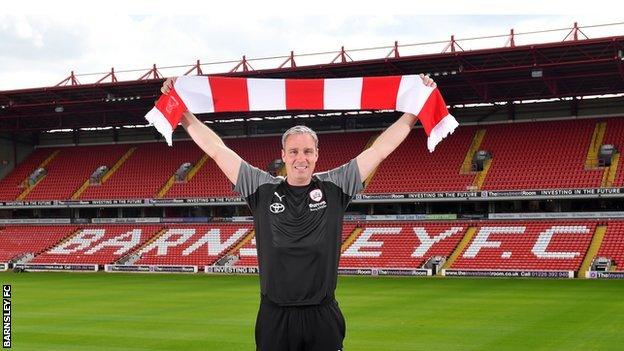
316,195
318,206
276,207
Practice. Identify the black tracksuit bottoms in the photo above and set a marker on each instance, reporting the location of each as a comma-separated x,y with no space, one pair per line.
300,328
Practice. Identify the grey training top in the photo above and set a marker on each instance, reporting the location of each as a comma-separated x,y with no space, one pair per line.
298,231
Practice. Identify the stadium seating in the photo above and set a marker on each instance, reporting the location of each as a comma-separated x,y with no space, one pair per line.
522,245
18,240
145,171
554,158
210,181
401,244
99,244
412,168
613,244
540,155
338,148
614,134
192,244
247,254
10,186
528,245
72,167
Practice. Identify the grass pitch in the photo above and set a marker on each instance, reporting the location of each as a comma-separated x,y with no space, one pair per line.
65,311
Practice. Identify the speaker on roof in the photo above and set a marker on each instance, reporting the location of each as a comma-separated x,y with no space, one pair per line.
605,155
479,159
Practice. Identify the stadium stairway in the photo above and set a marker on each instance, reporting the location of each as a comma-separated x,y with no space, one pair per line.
244,240
45,162
119,163
165,188
349,239
594,246
197,167
62,241
470,232
247,253
81,190
191,173
615,135
608,177
128,259
108,174
466,167
613,244
591,162
479,179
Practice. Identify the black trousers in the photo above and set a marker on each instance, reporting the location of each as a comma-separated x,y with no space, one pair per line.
300,328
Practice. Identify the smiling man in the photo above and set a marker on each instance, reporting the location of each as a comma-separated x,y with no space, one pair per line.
298,225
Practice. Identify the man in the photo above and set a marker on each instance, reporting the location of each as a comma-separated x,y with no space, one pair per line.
298,224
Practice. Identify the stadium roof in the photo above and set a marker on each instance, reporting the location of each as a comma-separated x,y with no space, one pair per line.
571,68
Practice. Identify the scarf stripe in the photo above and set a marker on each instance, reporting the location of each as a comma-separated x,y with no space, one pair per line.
201,94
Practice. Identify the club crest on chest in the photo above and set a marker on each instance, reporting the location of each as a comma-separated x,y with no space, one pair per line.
316,195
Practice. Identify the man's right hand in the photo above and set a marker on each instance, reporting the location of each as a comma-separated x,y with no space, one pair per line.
167,85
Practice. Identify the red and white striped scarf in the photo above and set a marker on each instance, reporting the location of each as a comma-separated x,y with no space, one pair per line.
202,94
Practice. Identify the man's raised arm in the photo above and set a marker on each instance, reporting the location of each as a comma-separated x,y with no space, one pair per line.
388,141
383,146
228,161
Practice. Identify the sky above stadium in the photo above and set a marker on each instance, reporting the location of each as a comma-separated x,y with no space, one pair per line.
40,45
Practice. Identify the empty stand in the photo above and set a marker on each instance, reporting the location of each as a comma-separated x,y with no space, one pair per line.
18,240
614,135
338,148
548,245
10,186
145,171
192,244
209,181
529,155
613,244
71,167
99,244
527,245
260,151
540,155
401,244
412,168
247,254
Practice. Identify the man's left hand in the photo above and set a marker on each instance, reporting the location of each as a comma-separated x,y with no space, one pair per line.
428,81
